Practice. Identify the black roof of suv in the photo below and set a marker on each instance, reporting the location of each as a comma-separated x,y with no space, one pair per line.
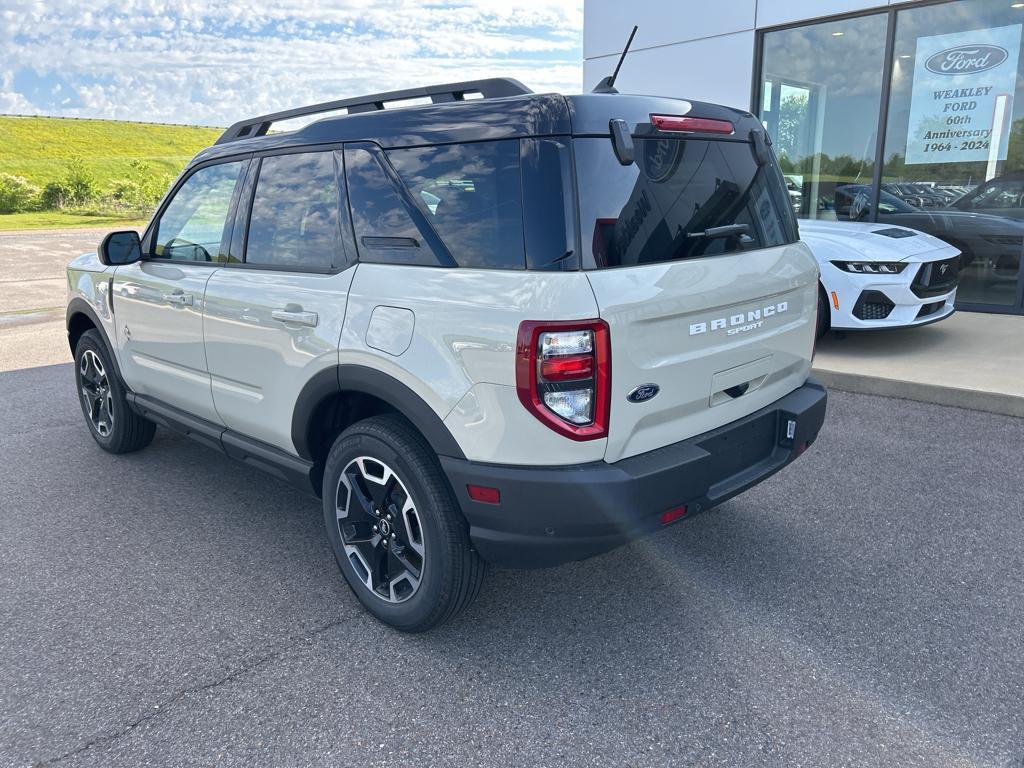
502,109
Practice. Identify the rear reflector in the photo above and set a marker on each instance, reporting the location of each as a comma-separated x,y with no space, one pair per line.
672,515
484,494
678,123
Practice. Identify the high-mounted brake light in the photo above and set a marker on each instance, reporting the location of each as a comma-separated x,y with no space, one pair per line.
563,375
678,123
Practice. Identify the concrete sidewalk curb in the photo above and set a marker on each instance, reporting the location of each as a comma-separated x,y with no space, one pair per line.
992,402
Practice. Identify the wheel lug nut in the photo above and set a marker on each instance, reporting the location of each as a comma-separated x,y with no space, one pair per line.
376,512
389,517
375,529
394,536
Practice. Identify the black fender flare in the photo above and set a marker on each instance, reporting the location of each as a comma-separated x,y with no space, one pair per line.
79,306
358,378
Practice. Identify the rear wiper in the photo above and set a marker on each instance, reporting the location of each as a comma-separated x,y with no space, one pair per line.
729,230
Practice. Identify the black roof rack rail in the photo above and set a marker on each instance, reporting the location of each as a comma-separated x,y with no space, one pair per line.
491,88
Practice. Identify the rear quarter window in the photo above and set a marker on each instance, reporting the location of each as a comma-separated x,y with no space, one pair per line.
470,194
657,209
385,229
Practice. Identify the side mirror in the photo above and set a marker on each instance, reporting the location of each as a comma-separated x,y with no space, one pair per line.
120,248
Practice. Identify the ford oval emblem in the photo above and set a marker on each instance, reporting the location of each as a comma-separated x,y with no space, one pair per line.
643,393
966,59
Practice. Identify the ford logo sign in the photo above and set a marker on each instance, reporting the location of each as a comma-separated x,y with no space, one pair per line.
966,59
643,393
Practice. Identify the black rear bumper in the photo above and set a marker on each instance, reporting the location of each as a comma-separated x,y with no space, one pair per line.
548,516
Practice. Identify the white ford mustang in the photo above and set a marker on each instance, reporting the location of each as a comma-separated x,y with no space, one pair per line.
880,276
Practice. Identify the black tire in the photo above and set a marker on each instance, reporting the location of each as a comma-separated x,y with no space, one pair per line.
101,391
824,314
450,570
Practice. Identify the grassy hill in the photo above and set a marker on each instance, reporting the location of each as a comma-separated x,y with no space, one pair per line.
38,148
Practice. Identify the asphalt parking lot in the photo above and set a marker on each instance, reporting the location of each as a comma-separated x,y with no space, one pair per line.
863,607
33,293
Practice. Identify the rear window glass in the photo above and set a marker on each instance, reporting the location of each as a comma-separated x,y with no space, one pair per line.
660,208
471,196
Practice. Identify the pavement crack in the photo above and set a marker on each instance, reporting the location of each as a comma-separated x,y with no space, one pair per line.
305,639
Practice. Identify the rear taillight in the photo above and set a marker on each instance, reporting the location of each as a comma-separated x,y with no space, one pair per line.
678,123
563,375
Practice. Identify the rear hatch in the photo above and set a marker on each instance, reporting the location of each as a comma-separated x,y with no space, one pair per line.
719,321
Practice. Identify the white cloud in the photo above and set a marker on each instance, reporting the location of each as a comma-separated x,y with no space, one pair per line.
215,62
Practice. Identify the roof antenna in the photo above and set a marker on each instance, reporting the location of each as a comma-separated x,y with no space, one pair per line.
607,85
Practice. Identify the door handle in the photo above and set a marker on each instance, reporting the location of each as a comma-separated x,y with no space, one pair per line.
178,299
296,316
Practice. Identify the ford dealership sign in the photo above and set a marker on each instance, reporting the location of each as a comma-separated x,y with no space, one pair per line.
966,59
961,101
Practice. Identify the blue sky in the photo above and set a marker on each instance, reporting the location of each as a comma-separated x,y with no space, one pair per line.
211,62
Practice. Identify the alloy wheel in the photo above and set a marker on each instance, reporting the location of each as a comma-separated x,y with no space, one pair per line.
380,529
96,394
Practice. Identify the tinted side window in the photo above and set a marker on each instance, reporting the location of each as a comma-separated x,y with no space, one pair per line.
294,219
192,225
385,230
549,205
471,195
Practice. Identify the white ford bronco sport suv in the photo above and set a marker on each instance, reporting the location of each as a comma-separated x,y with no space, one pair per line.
497,327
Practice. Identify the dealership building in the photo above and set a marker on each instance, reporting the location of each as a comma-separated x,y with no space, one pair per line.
905,113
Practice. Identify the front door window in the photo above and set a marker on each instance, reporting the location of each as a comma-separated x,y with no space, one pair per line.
193,226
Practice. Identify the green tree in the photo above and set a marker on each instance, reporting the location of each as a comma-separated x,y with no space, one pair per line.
140,189
16,194
80,184
76,188
1015,149
792,123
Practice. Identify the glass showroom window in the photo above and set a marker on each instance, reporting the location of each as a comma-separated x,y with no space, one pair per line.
954,146
819,101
